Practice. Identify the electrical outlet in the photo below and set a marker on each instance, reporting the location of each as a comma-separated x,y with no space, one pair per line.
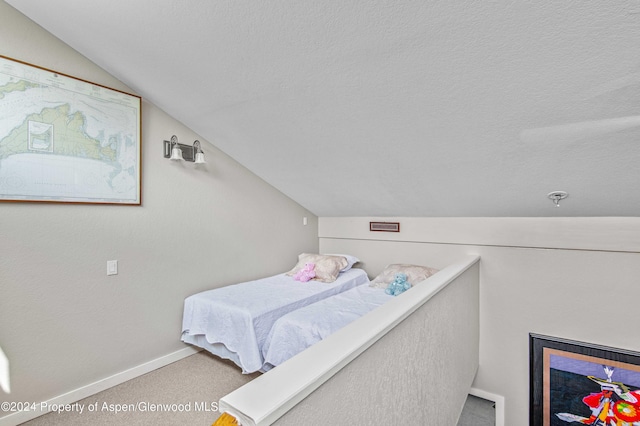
112,267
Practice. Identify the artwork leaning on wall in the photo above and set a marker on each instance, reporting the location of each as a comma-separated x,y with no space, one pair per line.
581,383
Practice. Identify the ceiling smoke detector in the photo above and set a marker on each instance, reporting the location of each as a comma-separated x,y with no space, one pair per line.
556,196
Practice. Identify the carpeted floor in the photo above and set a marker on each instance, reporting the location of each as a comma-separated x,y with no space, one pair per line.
478,412
186,393
194,384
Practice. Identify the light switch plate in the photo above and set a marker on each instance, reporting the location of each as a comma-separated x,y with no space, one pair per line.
112,267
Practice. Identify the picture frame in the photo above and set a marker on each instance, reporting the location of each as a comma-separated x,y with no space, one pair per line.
67,140
574,382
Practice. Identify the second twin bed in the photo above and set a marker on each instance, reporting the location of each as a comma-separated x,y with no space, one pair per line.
261,324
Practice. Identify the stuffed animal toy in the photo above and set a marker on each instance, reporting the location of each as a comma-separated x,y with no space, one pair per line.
305,274
398,285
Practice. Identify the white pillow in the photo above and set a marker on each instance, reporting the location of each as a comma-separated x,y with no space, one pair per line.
327,267
351,260
415,274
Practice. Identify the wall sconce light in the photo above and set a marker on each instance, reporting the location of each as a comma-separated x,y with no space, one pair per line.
199,154
178,152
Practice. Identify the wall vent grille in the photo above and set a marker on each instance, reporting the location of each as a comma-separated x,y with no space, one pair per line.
384,226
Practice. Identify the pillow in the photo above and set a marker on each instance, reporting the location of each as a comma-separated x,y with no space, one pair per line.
351,260
327,267
415,274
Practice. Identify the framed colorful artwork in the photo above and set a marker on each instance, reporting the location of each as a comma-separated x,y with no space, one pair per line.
573,383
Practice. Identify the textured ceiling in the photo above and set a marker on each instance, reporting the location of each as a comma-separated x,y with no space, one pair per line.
391,108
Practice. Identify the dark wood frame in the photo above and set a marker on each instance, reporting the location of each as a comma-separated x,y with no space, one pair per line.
137,104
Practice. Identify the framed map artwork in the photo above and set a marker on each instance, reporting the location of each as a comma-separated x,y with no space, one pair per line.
67,140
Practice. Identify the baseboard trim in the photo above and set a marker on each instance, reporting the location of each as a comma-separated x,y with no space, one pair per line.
498,399
95,387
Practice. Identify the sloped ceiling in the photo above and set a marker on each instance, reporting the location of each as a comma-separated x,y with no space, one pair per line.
391,107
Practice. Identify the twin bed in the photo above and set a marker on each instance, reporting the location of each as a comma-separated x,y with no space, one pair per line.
260,324
296,331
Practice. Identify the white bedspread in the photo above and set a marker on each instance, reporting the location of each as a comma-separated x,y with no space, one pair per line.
296,331
240,316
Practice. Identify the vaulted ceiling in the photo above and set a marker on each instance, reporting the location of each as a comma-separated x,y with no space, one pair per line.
391,107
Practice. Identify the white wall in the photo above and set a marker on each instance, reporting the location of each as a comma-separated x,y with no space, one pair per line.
572,278
65,324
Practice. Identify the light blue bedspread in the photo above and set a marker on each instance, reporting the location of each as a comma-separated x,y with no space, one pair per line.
296,331
240,316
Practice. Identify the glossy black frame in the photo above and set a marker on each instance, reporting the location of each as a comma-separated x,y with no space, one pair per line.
537,344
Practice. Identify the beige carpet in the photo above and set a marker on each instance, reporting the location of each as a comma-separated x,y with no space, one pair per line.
195,383
184,393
